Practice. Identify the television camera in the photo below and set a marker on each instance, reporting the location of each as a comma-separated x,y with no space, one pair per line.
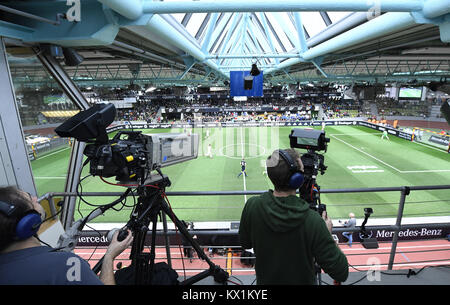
313,163
130,157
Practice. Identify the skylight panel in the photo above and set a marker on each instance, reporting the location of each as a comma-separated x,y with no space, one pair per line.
313,22
337,16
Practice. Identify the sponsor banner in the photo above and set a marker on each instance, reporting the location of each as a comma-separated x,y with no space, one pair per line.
260,109
427,231
445,141
140,125
99,239
231,238
390,130
227,96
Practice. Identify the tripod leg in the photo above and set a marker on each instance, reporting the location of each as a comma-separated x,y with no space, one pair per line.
152,250
219,274
139,259
166,238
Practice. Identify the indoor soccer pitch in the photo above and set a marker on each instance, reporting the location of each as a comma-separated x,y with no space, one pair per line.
357,157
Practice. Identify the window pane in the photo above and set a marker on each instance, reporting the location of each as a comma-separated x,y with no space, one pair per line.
178,17
336,16
313,22
42,107
194,23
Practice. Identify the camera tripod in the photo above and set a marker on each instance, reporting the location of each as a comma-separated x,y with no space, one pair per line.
310,192
151,204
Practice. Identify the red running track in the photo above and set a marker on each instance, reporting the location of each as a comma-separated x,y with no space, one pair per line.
409,255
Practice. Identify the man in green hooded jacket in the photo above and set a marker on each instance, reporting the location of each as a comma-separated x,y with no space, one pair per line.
286,235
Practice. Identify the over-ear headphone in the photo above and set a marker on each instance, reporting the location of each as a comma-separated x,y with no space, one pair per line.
27,224
295,178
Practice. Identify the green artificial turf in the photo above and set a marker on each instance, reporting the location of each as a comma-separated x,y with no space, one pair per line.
357,157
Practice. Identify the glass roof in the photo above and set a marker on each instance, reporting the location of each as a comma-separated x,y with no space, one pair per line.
254,32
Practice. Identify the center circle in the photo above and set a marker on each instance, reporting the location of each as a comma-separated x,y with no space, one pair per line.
226,149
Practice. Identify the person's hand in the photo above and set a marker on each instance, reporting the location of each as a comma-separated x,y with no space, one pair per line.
116,247
327,220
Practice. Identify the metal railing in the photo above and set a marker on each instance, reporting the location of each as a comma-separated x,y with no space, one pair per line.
404,192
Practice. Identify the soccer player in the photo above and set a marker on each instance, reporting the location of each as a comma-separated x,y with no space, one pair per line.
384,135
264,165
209,151
243,164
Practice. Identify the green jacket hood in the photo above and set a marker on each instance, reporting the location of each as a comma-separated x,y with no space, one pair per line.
282,214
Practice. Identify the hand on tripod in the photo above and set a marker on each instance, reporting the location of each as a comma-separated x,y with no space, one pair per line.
117,245
115,248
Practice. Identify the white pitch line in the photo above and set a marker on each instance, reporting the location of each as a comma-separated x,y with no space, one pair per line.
427,171
243,175
381,161
356,134
53,153
428,146
400,171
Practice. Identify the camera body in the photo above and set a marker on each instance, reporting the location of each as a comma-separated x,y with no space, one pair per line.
129,155
313,141
313,163
368,211
126,159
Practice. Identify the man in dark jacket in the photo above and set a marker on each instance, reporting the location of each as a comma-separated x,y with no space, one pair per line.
286,235
24,261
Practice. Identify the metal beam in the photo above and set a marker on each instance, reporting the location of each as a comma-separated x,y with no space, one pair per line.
160,27
222,23
300,32
263,55
266,30
290,35
226,40
211,26
16,167
373,29
209,6
326,18
76,157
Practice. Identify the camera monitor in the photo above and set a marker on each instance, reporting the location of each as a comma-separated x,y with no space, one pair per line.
89,124
308,139
171,148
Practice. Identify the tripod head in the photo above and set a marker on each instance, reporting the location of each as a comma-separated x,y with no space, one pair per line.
310,192
367,213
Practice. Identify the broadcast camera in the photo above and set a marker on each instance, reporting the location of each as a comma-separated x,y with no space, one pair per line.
313,163
129,155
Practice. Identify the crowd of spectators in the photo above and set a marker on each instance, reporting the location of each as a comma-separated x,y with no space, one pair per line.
392,107
148,110
342,109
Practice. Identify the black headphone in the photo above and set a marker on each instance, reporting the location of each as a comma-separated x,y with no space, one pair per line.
295,178
27,224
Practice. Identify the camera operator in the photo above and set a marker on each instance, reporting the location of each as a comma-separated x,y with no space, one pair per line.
24,261
286,234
